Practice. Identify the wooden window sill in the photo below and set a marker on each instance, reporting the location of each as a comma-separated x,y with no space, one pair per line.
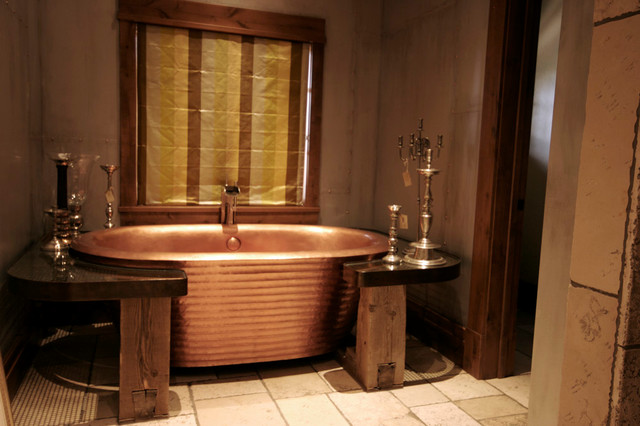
157,215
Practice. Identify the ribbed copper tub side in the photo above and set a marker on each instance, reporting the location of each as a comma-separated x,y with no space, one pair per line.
253,311
284,302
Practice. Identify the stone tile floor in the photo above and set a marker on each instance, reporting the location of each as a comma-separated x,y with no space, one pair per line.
74,382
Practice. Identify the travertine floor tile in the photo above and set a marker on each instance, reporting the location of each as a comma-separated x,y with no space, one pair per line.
516,387
310,410
519,420
224,388
446,413
340,381
464,386
372,408
188,420
256,409
421,394
180,401
409,419
293,382
491,406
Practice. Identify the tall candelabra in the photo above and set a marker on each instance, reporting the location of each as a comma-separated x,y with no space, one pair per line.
423,252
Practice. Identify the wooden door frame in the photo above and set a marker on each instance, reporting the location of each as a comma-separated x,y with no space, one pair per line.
489,341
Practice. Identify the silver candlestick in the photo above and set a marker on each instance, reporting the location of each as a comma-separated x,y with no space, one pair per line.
423,252
392,257
109,195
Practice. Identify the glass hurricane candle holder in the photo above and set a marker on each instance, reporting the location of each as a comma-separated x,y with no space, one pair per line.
79,175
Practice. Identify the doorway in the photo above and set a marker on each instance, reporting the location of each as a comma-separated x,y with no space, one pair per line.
490,338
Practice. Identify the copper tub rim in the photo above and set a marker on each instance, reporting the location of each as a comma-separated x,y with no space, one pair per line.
89,243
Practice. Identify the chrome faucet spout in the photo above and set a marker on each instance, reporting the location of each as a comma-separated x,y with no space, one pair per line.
228,205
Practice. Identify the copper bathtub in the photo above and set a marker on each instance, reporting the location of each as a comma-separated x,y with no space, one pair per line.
255,292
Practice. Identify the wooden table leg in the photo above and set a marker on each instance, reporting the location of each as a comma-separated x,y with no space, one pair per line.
145,326
380,337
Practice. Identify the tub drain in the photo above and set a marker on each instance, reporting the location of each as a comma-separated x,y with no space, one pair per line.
233,244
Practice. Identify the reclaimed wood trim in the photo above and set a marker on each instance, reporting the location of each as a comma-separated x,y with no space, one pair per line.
504,142
128,114
152,215
234,20
315,132
145,326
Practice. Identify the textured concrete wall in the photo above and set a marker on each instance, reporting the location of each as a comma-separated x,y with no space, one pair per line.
601,359
557,236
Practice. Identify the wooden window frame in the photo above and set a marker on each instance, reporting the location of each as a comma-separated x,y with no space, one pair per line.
202,16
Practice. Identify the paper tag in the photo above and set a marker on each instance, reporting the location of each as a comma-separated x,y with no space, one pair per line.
109,196
406,176
403,221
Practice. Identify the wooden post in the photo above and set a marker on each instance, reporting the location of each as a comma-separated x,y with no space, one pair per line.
145,325
380,337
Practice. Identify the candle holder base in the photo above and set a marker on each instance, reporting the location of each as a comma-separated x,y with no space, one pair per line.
423,253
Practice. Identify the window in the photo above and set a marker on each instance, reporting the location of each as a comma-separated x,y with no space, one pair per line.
213,95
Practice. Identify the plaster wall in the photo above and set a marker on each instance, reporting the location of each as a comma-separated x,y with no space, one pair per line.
432,67
19,152
541,122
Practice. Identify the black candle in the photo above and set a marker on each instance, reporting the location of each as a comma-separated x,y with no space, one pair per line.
61,200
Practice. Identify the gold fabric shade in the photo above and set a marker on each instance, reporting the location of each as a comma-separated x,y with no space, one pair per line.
218,108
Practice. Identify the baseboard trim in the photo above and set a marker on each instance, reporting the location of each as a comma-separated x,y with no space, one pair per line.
439,332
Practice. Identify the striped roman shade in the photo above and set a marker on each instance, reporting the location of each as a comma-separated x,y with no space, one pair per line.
217,108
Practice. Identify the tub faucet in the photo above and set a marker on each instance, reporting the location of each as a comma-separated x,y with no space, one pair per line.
229,202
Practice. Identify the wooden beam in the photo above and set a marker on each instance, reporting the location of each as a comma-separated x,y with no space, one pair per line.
145,326
380,337
234,20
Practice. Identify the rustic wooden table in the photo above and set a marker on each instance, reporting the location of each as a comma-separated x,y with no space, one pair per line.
377,361
145,318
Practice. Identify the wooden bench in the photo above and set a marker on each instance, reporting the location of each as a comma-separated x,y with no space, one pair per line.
145,318
377,361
